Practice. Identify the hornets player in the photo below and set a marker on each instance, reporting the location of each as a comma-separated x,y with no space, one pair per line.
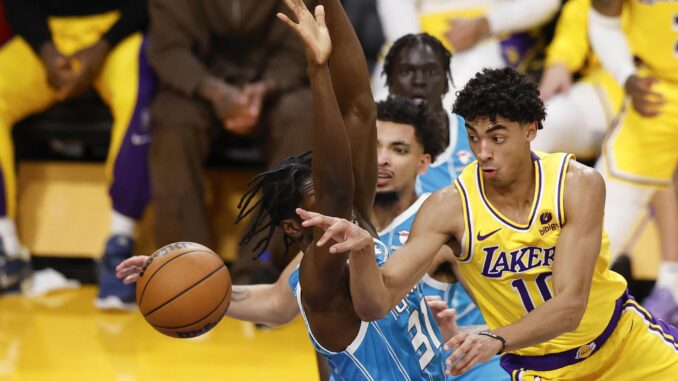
526,230
641,153
402,345
418,67
407,139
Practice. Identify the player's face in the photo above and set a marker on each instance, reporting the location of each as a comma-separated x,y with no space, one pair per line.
418,74
400,157
500,146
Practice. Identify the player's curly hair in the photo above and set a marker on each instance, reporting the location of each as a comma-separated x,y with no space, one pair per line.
410,40
280,194
502,93
428,125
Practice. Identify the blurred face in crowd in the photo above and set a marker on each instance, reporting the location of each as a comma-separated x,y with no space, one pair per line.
418,74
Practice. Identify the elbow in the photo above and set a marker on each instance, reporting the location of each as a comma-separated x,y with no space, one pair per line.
370,312
572,314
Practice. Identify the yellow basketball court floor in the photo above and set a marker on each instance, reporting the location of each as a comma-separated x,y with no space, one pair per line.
62,336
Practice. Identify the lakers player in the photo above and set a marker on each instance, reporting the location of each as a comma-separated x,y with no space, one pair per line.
526,230
641,153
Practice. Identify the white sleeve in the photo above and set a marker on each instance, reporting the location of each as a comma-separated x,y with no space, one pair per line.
520,15
398,18
611,46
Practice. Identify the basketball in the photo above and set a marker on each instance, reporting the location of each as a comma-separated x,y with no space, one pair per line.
183,290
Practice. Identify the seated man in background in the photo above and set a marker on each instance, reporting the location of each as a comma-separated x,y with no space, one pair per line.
221,65
61,49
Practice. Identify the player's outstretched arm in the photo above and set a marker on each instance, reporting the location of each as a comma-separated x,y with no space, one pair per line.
270,304
575,259
375,291
351,79
332,168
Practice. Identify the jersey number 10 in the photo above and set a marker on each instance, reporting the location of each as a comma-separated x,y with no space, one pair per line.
541,281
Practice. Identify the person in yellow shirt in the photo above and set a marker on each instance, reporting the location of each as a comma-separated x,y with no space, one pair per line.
526,229
641,153
582,98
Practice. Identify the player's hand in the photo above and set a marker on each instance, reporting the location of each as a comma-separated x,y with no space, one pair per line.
646,101
349,236
555,80
58,67
445,317
129,269
87,65
312,31
470,349
463,34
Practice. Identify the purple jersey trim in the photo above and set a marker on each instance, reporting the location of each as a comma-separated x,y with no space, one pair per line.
512,362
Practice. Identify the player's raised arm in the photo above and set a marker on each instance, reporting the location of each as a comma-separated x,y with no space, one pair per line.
331,171
351,79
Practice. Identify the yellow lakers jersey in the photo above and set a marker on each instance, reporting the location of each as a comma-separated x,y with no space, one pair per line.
653,31
507,265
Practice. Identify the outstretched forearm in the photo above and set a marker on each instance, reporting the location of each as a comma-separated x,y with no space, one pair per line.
332,166
350,76
270,304
262,303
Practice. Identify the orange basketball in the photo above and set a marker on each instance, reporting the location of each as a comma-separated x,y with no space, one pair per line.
184,289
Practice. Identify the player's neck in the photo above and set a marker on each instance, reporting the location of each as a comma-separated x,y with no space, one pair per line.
513,198
388,207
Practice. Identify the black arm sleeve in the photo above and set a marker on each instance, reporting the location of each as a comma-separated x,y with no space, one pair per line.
133,18
28,19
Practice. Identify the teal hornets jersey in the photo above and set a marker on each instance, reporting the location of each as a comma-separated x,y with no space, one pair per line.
394,236
403,345
449,164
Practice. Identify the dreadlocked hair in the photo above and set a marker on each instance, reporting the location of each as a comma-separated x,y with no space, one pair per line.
502,93
428,125
410,40
280,194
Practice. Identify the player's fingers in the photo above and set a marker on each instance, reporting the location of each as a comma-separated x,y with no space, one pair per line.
437,305
466,363
331,232
283,17
432,297
320,15
130,279
305,214
448,313
135,261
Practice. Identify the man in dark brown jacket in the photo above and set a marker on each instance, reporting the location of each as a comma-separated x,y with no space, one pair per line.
221,64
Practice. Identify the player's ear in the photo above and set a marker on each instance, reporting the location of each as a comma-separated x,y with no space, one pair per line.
424,163
292,228
531,130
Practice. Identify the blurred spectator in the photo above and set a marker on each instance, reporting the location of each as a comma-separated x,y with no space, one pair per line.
61,49
482,33
222,65
582,99
365,19
640,155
